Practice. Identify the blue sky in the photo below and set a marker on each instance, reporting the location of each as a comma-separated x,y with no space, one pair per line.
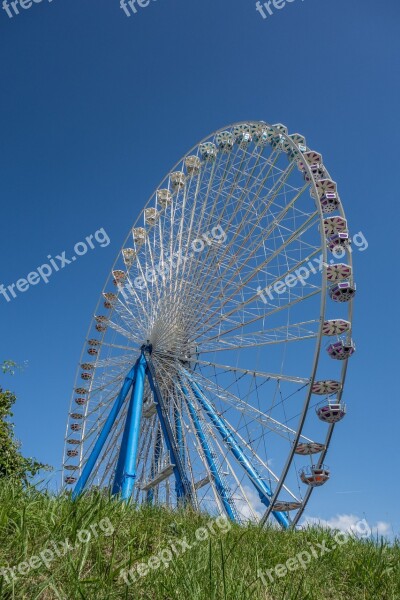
95,109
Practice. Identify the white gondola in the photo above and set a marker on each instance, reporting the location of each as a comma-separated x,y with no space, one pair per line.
262,135
81,391
335,327
315,476
151,216
208,151
225,141
309,448
139,235
242,135
281,128
331,412
342,291
193,165
286,506
164,198
129,255
119,277
338,272
309,159
326,387
70,480
338,241
109,301
341,350
334,225
178,181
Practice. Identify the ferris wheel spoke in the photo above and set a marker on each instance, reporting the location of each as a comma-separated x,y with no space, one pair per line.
254,467
296,234
269,201
250,341
104,386
99,410
203,276
258,317
250,277
200,226
205,194
147,439
221,493
262,463
113,346
275,477
200,269
130,335
247,410
126,315
233,369
131,287
246,507
119,362
239,233
133,301
221,215
255,297
261,240
153,268
246,191
187,230
227,201
281,333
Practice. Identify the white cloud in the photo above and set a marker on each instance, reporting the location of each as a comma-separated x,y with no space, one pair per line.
255,502
346,523
382,528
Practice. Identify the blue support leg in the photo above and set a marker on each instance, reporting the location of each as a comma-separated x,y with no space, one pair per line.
179,438
221,489
156,457
183,486
94,455
227,435
178,433
119,471
133,428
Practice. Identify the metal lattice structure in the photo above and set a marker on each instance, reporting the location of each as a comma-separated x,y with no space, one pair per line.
225,321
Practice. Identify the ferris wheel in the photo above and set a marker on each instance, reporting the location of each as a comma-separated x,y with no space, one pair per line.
213,370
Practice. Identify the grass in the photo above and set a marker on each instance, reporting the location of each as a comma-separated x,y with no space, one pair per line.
221,564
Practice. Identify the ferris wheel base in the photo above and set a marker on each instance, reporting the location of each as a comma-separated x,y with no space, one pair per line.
126,470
